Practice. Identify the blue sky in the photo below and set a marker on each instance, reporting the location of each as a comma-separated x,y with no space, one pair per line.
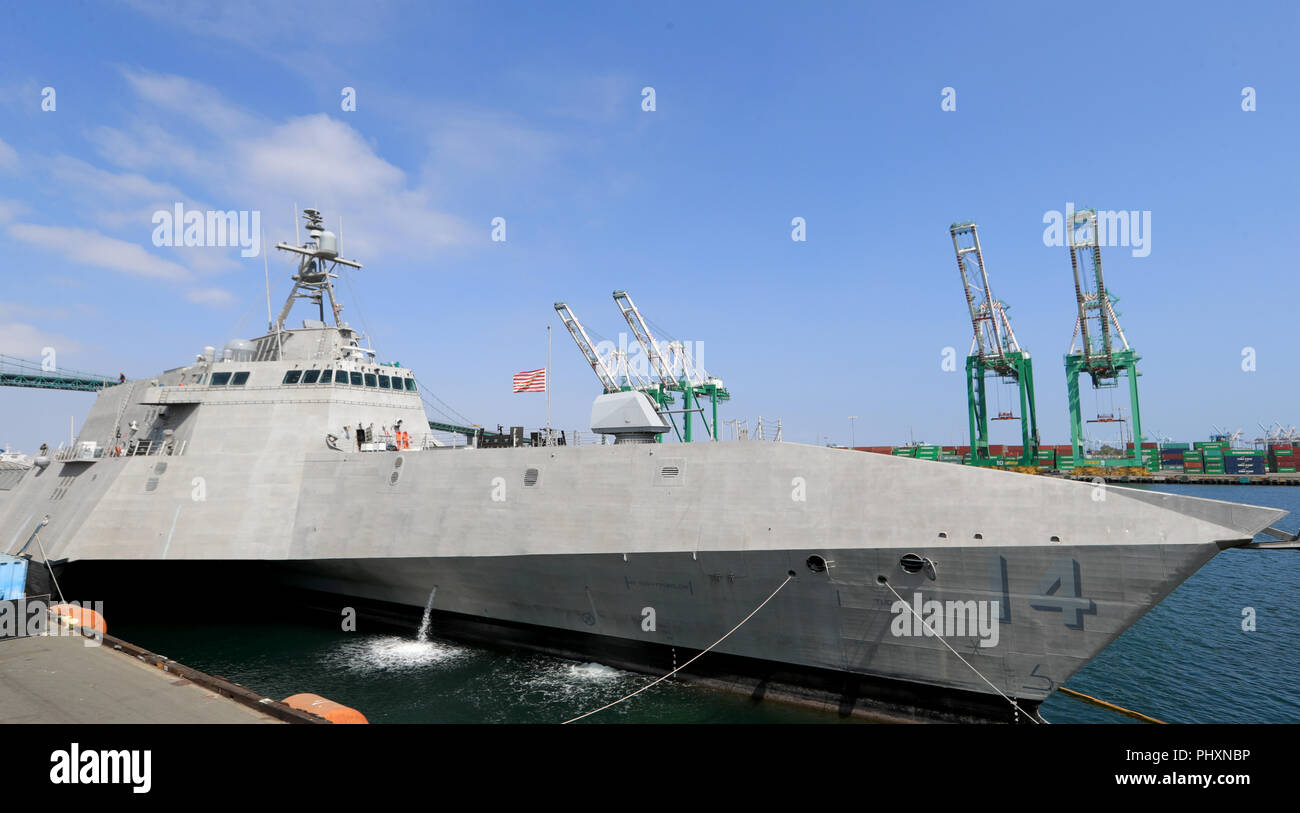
764,113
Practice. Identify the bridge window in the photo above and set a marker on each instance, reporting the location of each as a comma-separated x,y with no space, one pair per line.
341,378
370,380
326,376
240,379
310,376
383,382
292,377
410,385
220,379
356,379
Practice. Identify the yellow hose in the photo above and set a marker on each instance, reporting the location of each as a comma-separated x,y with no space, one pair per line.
1111,706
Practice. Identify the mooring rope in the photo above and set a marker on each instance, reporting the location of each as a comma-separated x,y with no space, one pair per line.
935,633
691,661
46,559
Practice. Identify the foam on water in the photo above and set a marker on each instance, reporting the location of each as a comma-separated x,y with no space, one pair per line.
393,653
594,672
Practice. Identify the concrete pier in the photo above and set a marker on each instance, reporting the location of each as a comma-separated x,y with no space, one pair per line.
59,679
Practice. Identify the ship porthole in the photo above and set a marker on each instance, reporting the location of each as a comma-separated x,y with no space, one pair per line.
816,564
911,563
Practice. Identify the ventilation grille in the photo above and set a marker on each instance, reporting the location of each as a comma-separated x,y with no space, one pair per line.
151,484
670,471
394,477
397,464
160,468
530,477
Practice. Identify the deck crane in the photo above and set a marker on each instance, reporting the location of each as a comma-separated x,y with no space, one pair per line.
612,370
693,383
994,351
1093,347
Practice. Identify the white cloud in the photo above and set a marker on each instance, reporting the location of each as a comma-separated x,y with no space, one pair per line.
126,185
252,163
92,248
191,99
8,156
215,297
9,209
148,145
28,342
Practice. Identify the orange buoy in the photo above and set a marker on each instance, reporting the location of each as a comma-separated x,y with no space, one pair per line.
71,617
321,707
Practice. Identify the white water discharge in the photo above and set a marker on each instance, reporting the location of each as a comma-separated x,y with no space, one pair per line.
423,635
390,653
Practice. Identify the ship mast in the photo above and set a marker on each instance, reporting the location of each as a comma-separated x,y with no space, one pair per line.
316,268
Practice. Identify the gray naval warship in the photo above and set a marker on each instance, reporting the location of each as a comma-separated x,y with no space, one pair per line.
892,585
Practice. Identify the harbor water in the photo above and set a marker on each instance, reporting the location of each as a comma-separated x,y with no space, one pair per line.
1187,661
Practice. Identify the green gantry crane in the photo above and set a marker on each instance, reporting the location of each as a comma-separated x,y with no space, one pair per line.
1093,348
994,352
676,371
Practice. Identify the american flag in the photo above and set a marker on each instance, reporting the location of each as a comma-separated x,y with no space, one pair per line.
531,381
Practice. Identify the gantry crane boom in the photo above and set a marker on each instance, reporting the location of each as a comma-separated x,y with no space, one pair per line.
1096,328
994,351
993,336
676,371
583,341
645,338
1096,318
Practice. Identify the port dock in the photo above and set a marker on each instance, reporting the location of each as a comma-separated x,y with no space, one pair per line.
60,679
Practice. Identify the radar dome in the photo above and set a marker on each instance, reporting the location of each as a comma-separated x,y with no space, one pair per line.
239,350
327,244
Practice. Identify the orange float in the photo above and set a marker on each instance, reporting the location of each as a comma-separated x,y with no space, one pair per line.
322,707
71,617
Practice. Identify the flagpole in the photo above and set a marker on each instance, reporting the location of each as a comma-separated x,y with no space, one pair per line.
548,385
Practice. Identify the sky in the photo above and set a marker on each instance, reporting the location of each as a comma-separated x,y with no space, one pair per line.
878,125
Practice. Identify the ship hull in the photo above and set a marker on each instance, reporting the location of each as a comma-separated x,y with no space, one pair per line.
873,568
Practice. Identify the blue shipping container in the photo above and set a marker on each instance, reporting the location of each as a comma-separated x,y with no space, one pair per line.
13,577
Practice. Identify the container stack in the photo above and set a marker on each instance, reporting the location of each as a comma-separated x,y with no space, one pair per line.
1213,452
1245,461
1171,456
1282,459
1193,461
927,452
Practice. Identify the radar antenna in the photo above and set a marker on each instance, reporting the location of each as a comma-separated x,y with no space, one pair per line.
319,258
